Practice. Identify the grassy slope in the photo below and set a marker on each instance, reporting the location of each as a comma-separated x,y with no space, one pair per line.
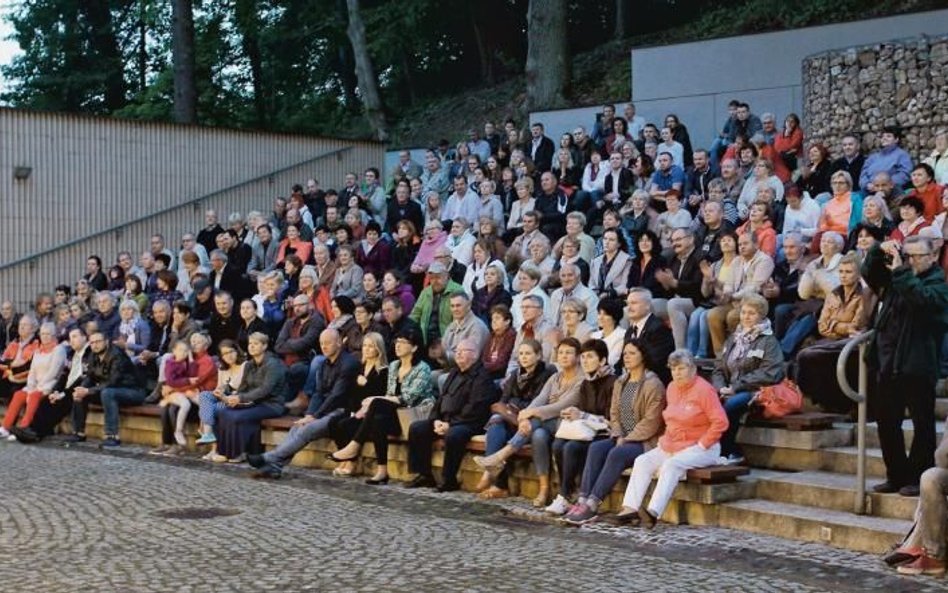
592,82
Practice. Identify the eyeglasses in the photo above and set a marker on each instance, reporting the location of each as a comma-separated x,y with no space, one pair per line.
917,255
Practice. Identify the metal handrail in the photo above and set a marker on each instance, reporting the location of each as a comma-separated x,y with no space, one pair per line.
192,201
860,341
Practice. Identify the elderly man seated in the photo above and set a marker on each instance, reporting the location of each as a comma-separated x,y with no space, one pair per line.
330,401
459,413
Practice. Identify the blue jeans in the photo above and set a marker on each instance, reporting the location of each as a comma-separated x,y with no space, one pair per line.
717,148
734,407
699,337
299,437
312,377
112,398
570,457
540,439
798,331
498,433
208,406
605,463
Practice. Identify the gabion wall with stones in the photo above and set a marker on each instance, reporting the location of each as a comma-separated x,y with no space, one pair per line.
861,89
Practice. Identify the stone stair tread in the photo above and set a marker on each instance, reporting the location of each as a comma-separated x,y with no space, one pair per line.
820,479
825,516
853,450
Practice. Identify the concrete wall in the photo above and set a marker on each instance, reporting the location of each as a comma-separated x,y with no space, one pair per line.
696,80
91,175
559,121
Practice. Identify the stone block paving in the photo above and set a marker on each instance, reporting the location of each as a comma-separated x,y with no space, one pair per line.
80,520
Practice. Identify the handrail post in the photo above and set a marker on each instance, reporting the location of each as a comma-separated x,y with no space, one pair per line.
859,397
860,507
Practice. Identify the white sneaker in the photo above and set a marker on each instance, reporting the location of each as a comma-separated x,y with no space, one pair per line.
11,438
732,459
559,506
4,433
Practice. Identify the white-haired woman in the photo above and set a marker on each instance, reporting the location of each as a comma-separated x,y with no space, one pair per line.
694,423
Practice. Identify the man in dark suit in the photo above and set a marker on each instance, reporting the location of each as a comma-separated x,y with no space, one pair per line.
541,149
682,280
226,277
654,336
459,414
238,253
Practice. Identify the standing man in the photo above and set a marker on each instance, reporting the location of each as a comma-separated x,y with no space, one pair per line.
541,148
208,235
903,354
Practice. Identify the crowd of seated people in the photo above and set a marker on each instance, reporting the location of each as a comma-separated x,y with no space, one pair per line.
560,295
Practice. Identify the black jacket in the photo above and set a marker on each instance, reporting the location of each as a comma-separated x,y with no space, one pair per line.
208,237
521,389
220,328
709,242
543,158
410,211
854,168
689,276
306,342
232,281
336,386
112,368
657,340
911,320
466,397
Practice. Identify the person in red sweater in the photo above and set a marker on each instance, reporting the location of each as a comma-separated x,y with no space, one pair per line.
925,189
694,423
187,374
788,145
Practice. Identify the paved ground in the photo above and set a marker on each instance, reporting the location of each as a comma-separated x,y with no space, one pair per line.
80,520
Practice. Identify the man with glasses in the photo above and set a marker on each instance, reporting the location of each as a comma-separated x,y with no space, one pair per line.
903,354
110,379
682,279
460,413
464,326
297,343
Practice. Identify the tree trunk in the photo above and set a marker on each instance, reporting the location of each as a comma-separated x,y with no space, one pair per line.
483,52
344,63
182,52
548,68
368,85
107,55
142,49
622,19
249,25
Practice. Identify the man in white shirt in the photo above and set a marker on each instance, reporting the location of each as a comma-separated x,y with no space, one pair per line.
572,287
463,203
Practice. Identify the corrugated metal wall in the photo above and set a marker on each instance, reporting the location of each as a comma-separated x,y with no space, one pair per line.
91,174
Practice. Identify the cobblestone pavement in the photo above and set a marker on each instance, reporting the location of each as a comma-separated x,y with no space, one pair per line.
80,520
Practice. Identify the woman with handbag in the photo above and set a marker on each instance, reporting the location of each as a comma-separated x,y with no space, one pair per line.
519,390
694,423
751,359
409,390
537,424
583,423
638,398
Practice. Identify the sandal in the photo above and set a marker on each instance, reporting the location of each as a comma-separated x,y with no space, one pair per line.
542,499
493,493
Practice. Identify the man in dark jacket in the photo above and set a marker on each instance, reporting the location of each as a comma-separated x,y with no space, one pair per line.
112,380
223,325
781,290
460,413
297,342
226,276
682,280
395,322
332,399
651,331
708,227
541,148
403,208
903,355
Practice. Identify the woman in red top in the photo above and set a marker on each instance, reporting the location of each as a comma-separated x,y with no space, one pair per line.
694,424
292,243
758,221
789,147
17,356
926,190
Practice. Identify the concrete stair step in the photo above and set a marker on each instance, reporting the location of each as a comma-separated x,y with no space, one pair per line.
807,440
826,490
837,528
843,460
872,433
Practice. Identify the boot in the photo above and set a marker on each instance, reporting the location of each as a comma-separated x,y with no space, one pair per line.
154,396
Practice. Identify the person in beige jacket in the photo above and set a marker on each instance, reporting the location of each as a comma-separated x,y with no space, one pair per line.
635,423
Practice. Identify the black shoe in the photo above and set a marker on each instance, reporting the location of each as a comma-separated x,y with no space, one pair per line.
110,441
902,556
421,481
886,488
910,490
153,397
449,487
377,481
332,457
256,460
74,438
631,519
25,435
267,473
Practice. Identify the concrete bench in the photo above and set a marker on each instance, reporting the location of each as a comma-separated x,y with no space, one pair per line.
800,421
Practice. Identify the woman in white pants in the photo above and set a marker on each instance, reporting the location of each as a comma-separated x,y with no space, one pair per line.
694,423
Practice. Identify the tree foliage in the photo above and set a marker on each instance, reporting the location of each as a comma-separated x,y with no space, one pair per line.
288,65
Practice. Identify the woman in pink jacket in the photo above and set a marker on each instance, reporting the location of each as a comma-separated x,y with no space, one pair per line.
694,423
